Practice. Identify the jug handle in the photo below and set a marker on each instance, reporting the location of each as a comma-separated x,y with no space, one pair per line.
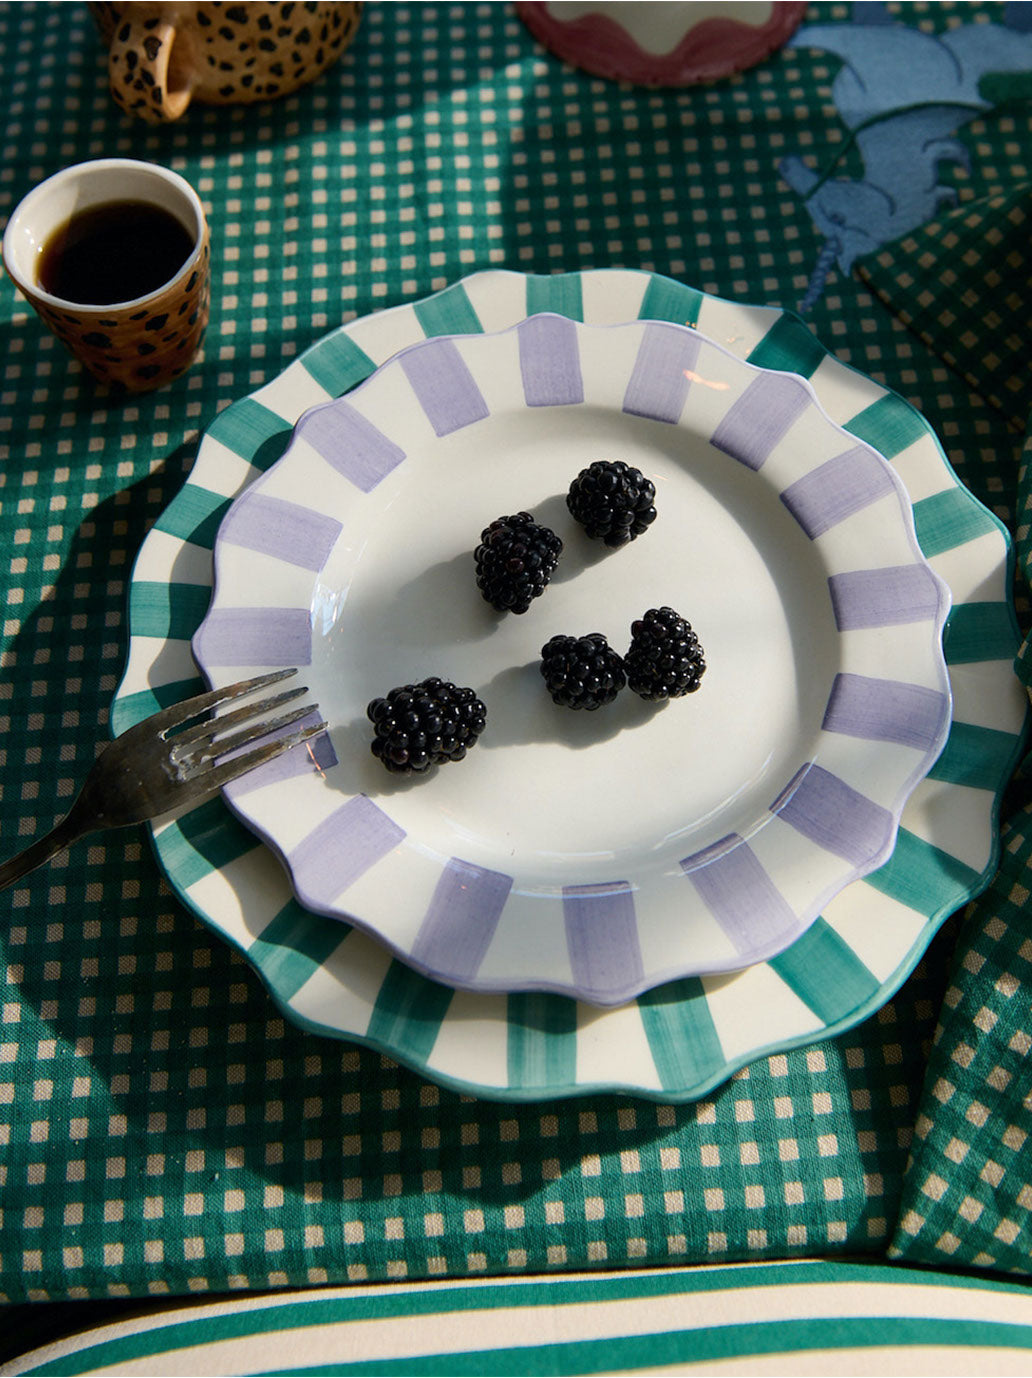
150,70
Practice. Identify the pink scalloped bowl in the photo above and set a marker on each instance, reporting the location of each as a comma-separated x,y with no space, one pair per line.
662,44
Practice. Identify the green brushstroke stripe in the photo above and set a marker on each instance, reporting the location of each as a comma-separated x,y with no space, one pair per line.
560,293
681,1034
293,946
194,516
203,840
826,974
788,346
448,313
979,631
979,757
665,300
337,364
889,425
170,611
542,1040
923,877
247,427
133,708
950,519
408,1012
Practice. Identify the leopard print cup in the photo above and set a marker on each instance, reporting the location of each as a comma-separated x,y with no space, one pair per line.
133,346
163,56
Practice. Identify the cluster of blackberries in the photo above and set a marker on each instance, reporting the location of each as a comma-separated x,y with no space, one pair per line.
517,556
613,501
417,726
664,661
514,561
582,671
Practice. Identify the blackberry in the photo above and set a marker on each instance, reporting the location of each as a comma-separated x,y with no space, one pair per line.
422,725
612,501
582,671
665,660
515,560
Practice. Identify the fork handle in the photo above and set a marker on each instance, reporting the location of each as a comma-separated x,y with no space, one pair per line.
61,836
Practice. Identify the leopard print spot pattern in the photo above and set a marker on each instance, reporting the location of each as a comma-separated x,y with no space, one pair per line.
139,350
162,57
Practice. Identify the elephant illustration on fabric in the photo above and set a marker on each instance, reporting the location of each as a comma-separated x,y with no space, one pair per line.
903,94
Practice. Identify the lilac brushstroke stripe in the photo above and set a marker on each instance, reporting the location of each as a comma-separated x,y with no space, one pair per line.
834,815
444,386
460,922
836,489
255,636
886,710
740,895
752,426
550,362
312,757
343,847
350,444
884,597
659,383
711,853
602,937
296,535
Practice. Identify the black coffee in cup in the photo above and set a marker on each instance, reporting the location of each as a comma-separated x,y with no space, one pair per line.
114,252
113,255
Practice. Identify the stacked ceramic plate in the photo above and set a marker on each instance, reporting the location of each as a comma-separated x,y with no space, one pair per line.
642,897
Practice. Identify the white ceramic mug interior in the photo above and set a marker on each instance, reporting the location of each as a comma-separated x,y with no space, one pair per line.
79,188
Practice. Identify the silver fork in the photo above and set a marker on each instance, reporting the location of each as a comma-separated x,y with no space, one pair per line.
152,768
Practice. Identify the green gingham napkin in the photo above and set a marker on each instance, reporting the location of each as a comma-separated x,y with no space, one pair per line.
964,285
967,1197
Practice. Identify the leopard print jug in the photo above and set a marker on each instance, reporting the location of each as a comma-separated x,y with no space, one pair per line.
163,56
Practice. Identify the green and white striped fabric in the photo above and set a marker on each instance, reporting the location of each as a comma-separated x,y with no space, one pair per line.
787,1318
680,1041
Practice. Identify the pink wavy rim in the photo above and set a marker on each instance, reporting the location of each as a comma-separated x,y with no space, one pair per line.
717,47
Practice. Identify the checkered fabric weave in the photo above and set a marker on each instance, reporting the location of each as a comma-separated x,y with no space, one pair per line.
967,1197
162,1128
964,284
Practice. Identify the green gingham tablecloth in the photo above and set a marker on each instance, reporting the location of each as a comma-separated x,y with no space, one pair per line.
964,284
163,1130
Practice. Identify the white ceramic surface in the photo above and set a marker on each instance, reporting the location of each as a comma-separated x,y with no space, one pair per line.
603,854
680,1041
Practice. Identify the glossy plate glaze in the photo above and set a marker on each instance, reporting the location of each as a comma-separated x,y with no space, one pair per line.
679,1041
594,855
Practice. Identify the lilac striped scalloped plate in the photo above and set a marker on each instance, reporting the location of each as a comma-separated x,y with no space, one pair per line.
593,854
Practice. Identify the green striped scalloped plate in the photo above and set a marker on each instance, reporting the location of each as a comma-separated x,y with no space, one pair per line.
679,1041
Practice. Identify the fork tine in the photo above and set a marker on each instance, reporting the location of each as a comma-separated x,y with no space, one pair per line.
204,752
229,771
208,728
167,718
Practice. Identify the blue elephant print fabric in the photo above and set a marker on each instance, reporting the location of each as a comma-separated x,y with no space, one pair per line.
902,94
